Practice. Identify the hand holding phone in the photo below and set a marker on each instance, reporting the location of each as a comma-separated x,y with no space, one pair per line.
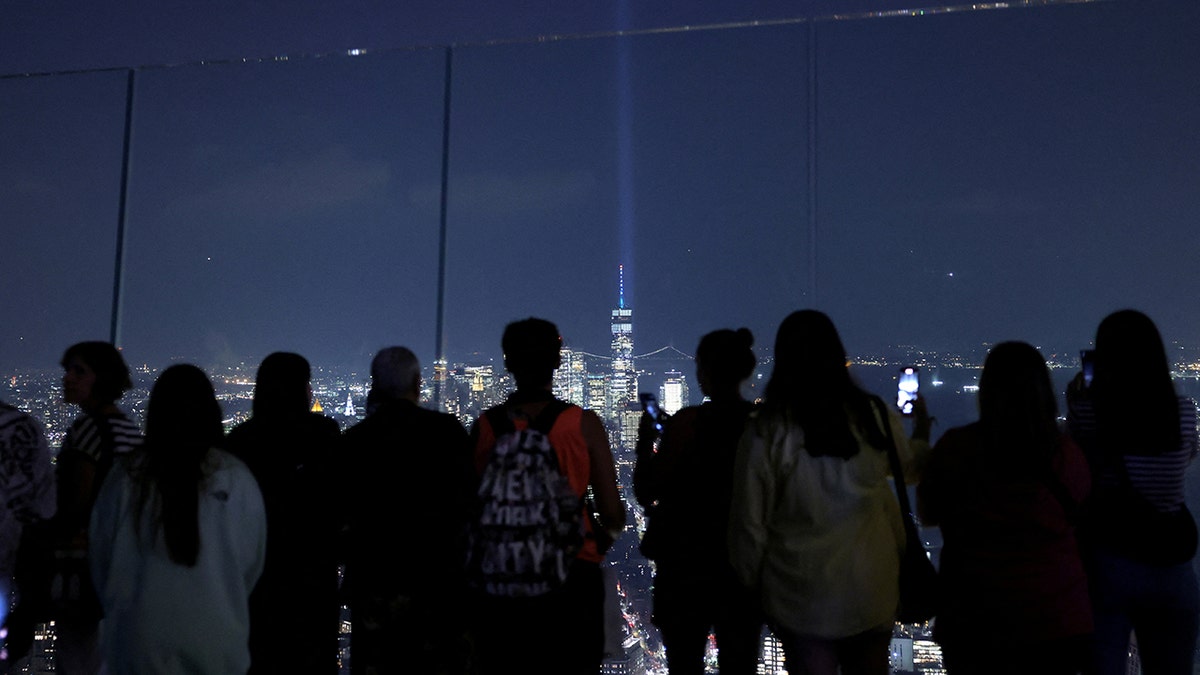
907,385
1087,359
650,407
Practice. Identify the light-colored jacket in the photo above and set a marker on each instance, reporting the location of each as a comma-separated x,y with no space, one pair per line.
820,538
160,616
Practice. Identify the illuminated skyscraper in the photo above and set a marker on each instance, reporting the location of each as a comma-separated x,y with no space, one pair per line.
623,407
439,383
570,379
596,391
674,392
480,383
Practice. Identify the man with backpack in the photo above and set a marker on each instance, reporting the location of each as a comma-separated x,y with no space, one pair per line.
546,503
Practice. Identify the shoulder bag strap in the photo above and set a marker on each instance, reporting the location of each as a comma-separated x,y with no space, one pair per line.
894,461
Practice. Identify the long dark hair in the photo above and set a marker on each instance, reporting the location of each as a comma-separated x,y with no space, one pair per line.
1137,408
1018,410
183,421
811,383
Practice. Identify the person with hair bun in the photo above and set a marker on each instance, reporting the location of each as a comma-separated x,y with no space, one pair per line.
94,378
685,487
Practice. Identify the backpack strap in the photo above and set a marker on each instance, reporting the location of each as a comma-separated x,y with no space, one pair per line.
881,414
499,421
502,423
545,419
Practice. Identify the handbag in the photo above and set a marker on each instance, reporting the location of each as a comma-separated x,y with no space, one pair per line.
1123,522
919,588
1132,528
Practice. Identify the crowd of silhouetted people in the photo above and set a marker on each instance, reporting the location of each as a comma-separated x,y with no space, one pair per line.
179,548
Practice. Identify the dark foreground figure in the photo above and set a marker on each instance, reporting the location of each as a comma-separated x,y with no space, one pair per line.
408,487
289,449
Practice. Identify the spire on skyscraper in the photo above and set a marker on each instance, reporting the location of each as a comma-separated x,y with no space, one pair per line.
621,286
621,408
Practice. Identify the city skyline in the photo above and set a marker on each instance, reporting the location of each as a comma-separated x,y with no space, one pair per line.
944,179
471,387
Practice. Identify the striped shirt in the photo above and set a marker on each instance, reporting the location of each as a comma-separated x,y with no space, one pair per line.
92,439
99,437
1157,478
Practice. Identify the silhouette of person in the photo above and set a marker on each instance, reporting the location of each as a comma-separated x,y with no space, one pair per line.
1006,491
94,378
27,499
178,540
294,609
814,525
560,632
1139,538
408,487
686,488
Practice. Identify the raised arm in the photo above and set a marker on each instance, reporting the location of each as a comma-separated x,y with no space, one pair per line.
656,470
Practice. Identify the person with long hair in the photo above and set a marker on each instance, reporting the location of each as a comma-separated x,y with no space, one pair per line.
294,609
685,486
1139,436
95,377
1006,491
815,527
178,540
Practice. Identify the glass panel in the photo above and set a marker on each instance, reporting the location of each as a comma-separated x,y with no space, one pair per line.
1000,175
185,34
285,206
986,176
60,168
677,159
980,176
663,176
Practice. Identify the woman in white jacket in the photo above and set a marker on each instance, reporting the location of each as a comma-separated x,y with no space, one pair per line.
178,540
815,526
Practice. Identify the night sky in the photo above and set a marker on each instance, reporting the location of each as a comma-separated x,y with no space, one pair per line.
946,180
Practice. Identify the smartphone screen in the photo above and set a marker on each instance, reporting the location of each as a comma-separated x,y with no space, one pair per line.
650,405
907,385
1088,362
